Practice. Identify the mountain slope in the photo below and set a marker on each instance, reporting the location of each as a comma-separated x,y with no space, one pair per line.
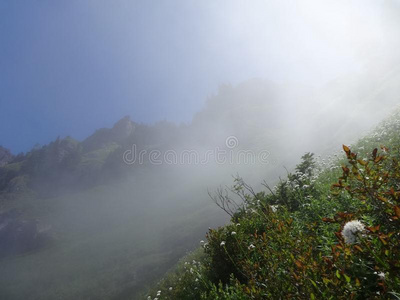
107,227
326,232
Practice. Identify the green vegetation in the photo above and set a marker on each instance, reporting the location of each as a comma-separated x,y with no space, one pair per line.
331,230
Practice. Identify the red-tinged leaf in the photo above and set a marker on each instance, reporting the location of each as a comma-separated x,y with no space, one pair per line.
338,235
374,153
378,159
346,149
362,162
358,248
383,199
343,215
295,276
382,238
298,264
328,220
374,228
397,211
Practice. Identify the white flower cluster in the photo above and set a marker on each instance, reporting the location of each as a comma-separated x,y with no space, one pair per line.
351,230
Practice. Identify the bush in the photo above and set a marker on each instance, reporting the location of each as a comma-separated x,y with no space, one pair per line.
307,238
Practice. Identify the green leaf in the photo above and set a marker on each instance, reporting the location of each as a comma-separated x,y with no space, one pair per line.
338,274
347,278
313,283
326,280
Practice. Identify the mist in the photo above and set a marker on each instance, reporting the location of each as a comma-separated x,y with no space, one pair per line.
212,91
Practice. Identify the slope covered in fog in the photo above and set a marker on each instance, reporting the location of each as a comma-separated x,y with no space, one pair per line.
329,229
113,226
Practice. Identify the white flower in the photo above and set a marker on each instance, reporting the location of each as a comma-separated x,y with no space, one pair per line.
350,231
251,246
274,208
170,288
191,270
149,298
233,233
201,242
381,275
222,244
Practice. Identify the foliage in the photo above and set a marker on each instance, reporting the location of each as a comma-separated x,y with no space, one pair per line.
289,243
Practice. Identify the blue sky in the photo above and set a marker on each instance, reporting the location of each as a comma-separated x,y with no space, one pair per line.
70,67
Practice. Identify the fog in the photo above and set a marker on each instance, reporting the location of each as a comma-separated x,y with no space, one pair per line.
240,89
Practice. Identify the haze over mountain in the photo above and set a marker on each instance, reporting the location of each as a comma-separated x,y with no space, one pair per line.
92,192
188,95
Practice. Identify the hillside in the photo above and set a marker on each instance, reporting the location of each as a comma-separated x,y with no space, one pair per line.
79,219
330,230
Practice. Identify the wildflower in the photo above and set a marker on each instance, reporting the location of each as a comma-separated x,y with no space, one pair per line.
191,270
222,243
149,298
201,242
350,231
233,233
170,288
381,275
251,246
274,208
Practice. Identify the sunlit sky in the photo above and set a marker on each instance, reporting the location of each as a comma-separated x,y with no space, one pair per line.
70,67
